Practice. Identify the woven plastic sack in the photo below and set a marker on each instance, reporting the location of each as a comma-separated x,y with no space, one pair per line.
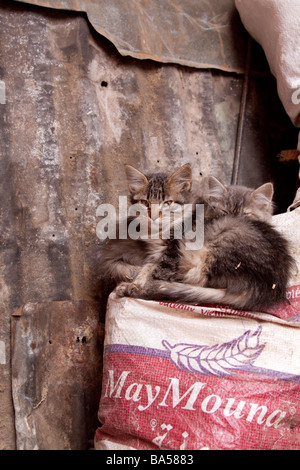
184,377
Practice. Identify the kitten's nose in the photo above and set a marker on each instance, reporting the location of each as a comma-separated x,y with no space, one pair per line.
155,212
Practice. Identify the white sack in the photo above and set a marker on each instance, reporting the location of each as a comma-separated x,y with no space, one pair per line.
275,25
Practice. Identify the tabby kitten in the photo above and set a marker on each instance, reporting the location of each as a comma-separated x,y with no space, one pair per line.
244,261
122,259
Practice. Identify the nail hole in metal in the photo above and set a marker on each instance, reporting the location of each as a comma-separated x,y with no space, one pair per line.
83,339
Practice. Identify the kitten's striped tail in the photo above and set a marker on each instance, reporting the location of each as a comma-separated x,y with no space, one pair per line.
179,292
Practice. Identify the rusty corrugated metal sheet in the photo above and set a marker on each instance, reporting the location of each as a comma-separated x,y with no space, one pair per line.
56,374
195,33
75,112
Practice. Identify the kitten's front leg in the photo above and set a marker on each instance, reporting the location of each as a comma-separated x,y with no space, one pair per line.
135,288
144,275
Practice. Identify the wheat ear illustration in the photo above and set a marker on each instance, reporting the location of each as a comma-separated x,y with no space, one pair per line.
220,359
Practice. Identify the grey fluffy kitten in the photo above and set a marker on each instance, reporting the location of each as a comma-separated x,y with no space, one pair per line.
122,259
244,261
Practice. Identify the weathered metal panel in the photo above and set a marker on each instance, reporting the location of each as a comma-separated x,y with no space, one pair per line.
56,374
196,33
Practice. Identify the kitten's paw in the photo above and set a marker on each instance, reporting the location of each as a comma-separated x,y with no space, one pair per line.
121,289
127,289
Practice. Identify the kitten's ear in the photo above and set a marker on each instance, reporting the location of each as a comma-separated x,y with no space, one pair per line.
260,204
135,179
181,179
213,188
265,191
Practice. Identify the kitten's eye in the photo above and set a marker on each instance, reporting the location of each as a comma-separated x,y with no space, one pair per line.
144,202
167,203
